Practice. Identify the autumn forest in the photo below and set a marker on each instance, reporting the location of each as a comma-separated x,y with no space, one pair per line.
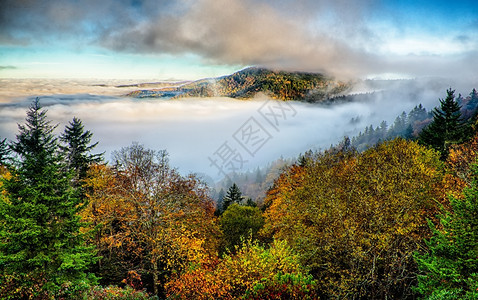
389,214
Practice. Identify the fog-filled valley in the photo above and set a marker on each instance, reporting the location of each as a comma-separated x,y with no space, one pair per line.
192,129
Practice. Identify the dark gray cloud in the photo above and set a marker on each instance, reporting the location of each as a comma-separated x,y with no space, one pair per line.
333,36
258,33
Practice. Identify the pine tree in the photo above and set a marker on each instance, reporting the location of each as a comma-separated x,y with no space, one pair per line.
473,103
408,133
447,127
451,264
417,114
220,203
4,151
41,247
233,195
77,149
399,126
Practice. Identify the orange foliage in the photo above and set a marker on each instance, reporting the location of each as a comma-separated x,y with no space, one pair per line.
147,222
253,272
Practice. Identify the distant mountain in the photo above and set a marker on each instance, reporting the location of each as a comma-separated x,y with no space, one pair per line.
249,82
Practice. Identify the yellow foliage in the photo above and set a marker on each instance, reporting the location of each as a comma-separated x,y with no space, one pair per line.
238,275
357,218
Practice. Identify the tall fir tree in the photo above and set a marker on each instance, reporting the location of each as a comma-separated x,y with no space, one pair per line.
41,247
450,267
77,147
447,127
233,195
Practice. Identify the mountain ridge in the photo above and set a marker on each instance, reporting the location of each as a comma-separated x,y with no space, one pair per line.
249,82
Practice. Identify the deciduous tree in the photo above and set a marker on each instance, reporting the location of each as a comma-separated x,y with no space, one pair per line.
153,218
355,219
253,272
239,222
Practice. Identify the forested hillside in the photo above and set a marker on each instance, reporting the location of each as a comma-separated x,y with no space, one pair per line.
394,220
247,83
410,126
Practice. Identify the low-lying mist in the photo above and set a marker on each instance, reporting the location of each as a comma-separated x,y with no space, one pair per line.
209,134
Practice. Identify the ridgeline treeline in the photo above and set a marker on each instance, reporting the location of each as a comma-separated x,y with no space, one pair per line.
395,220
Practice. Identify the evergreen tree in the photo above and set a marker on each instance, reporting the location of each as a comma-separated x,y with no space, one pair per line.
399,126
250,202
233,195
382,130
447,127
302,160
451,264
408,133
41,247
77,149
460,99
220,202
473,103
4,151
417,114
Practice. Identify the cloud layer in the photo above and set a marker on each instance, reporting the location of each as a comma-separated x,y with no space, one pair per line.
192,130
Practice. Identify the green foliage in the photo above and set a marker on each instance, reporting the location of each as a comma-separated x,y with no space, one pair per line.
447,128
238,222
450,265
41,247
283,286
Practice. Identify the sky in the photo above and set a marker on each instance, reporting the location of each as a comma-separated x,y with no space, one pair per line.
192,39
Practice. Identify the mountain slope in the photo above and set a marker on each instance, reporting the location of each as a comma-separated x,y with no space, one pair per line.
247,83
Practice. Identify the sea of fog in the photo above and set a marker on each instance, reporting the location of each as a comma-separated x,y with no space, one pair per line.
208,136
